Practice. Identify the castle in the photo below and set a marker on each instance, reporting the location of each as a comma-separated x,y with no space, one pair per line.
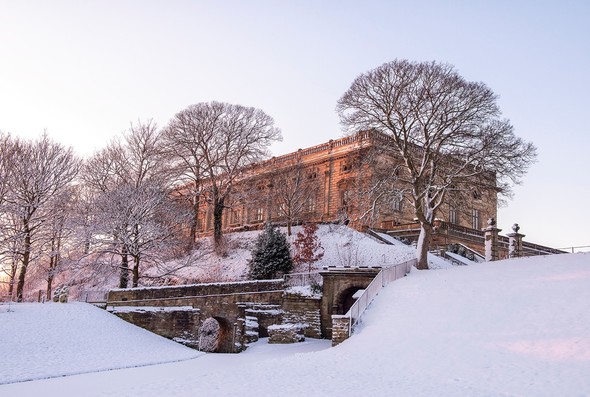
335,182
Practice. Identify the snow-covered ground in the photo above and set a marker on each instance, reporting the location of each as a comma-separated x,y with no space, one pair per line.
508,328
52,339
343,246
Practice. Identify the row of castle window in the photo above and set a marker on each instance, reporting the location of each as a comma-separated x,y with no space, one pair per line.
475,217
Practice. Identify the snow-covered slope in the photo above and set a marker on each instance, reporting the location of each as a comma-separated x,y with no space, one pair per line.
52,339
343,247
508,328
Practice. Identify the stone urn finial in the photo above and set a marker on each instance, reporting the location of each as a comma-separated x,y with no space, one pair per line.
515,227
491,222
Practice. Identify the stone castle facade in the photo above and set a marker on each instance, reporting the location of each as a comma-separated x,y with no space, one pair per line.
334,182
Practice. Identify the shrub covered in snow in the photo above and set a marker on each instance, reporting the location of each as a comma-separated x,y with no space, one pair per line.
270,255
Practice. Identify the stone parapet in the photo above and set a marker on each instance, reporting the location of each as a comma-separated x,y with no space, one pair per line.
168,296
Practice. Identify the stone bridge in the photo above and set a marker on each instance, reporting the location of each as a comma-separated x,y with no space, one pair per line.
225,317
200,314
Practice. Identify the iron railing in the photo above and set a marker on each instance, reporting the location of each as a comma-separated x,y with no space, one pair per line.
573,250
303,279
382,279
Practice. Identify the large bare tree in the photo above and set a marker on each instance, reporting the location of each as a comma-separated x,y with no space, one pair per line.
219,139
8,222
41,171
447,131
134,215
184,156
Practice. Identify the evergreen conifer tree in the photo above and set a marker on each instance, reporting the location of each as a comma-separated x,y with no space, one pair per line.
270,255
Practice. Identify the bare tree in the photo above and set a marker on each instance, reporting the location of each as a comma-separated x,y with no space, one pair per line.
223,138
307,246
134,215
6,160
295,191
447,131
42,170
8,261
57,230
181,148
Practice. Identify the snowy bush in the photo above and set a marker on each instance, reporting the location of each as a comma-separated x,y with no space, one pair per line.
270,255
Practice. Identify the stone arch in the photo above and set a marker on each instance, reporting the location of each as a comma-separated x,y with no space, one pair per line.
344,299
216,335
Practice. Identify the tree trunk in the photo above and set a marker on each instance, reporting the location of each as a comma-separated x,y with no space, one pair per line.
49,285
135,279
124,276
23,269
53,264
218,221
13,268
194,224
423,245
50,275
288,227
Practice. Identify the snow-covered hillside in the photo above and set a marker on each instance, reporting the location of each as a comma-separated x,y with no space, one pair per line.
343,247
508,328
47,340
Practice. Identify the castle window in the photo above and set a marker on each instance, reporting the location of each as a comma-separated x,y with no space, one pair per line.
235,217
259,215
397,203
346,166
453,217
475,219
345,199
312,174
310,204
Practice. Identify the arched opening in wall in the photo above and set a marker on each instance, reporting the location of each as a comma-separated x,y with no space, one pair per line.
216,335
346,299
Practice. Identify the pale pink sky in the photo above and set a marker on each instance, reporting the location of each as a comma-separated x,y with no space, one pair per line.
84,69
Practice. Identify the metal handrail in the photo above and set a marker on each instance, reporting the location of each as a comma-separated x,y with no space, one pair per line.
302,279
382,279
574,248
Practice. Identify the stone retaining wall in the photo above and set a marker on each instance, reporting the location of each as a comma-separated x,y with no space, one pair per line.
178,323
305,310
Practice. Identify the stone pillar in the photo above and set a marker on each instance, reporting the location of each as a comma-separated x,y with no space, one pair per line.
491,240
340,329
515,242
